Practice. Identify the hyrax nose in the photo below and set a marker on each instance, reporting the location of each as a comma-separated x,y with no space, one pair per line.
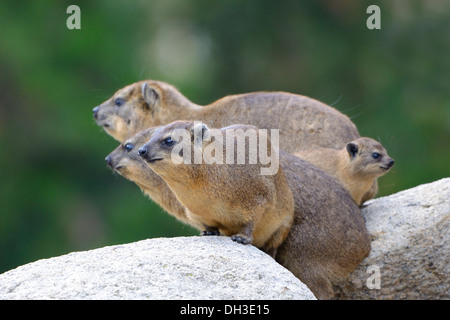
109,161
95,111
142,152
391,163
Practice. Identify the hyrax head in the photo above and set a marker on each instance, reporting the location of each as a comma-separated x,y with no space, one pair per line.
132,109
173,144
368,156
126,161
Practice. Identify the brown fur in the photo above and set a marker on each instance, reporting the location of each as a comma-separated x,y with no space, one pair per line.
316,251
354,166
230,199
304,123
328,238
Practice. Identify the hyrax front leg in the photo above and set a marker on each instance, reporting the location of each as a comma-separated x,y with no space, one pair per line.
245,234
211,231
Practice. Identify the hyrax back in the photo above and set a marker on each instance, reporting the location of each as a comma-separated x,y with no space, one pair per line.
328,238
356,166
303,122
234,199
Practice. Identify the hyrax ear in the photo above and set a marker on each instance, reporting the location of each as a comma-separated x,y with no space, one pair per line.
149,94
352,149
200,132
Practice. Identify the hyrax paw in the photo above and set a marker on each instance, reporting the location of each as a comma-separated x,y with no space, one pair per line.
239,238
211,233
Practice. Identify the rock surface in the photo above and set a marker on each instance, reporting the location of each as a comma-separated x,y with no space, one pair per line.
410,252
163,268
409,259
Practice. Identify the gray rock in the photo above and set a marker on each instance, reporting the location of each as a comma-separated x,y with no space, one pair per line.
163,268
410,248
409,259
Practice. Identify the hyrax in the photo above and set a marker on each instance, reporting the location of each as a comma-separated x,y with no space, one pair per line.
356,166
303,122
223,189
126,161
328,238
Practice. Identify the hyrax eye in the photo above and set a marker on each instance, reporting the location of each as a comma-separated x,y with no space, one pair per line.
129,147
375,155
119,102
168,142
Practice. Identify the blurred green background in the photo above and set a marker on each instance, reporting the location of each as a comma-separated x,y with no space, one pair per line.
56,193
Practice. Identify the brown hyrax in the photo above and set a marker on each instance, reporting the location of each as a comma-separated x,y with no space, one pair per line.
303,122
217,178
328,238
126,161
356,166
